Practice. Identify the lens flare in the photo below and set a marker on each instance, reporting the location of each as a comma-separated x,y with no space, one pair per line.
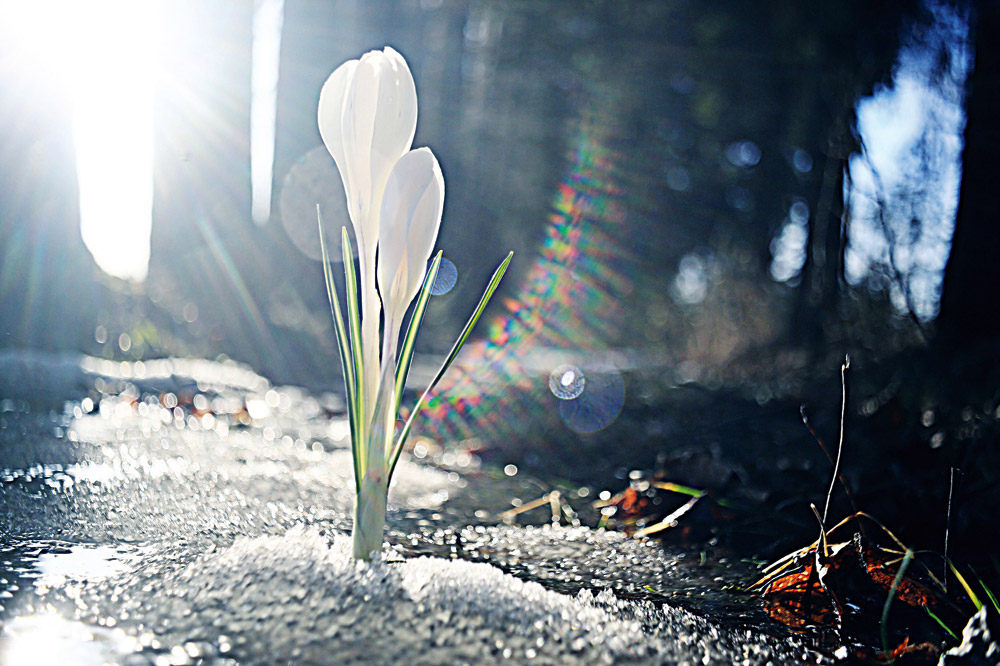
568,304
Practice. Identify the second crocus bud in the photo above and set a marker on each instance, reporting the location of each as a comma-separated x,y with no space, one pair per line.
411,216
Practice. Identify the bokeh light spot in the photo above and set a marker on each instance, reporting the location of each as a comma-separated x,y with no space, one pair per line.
314,180
598,405
740,198
567,382
788,248
802,161
799,212
446,279
743,154
691,284
678,179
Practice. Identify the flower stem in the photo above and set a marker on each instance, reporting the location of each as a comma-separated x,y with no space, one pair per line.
371,305
369,513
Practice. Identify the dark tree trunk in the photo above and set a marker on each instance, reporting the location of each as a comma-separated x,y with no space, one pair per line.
823,271
972,278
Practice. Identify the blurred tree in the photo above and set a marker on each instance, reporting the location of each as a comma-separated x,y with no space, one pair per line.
855,46
972,278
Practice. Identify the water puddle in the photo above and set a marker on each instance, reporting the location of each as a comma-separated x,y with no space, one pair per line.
38,629
84,563
49,639
48,564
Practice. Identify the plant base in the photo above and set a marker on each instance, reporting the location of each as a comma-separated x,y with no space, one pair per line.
369,517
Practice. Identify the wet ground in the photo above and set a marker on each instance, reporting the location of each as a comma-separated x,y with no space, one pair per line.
180,512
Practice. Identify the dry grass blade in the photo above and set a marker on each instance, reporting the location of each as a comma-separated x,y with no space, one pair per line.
669,521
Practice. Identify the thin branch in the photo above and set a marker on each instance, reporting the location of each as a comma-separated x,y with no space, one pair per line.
947,523
840,477
840,441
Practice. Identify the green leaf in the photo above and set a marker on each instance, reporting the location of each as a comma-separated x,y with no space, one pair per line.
358,443
346,366
410,339
884,629
457,347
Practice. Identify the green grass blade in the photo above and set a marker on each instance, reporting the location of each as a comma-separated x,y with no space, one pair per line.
986,589
346,357
678,488
888,602
968,588
358,444
940,622
989,593
335,311
410,339
457,347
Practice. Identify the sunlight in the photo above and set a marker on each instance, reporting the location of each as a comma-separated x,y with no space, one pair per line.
267,21
101,56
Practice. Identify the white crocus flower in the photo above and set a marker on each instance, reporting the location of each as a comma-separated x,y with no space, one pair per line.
367,118
395,197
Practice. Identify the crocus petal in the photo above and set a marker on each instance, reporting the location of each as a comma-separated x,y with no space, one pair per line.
411,215
358,128
367,118
396,114
331,114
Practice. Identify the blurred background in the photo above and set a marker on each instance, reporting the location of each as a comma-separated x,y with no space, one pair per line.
710,204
